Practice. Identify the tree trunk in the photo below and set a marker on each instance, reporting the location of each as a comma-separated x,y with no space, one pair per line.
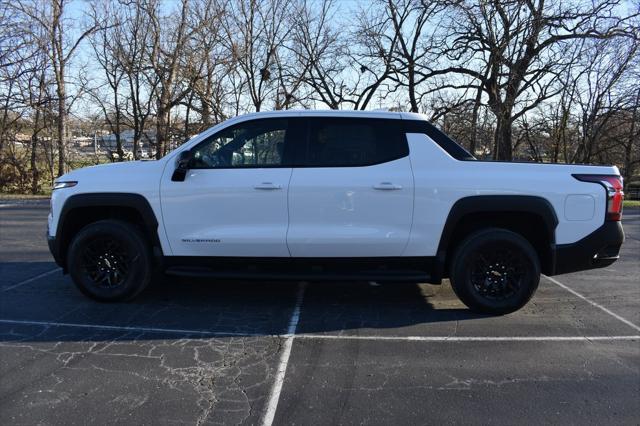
62,124
161,131
35,175
117,127
137,135
474,123
48,148
206,115
187,116
502,146
137,132
119,144
412,87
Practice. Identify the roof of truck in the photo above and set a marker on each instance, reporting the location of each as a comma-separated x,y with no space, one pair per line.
334,113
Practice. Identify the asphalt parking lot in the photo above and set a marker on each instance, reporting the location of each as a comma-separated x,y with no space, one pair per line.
197,352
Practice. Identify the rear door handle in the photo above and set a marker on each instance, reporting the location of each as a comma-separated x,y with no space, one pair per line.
387,186
267,186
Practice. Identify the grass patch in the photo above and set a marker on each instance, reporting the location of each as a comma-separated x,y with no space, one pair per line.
6,196
633,204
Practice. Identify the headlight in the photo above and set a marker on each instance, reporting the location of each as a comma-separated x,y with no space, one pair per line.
67,184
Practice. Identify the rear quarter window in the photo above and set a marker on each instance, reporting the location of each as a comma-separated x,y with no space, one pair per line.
353,142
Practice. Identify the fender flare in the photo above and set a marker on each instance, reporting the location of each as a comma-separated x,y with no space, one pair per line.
494,204
105,199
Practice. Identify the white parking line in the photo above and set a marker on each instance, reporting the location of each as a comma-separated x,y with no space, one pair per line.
37,277
592,303
274,395
436,339
291,335
126,328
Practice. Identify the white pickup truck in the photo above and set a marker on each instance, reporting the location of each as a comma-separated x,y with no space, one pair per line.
330,195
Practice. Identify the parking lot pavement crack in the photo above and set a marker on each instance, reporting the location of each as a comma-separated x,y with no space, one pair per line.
468,384
218,374
64,357
208,399
198,376
222,377
93,366
238,385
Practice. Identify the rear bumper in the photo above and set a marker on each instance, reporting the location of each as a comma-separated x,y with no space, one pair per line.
597,250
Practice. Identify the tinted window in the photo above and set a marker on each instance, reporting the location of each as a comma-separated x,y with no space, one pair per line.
345,142
257,143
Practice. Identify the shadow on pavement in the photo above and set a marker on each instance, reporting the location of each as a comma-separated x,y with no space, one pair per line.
179,308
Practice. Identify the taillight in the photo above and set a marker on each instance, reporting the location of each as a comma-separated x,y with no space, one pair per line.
615,194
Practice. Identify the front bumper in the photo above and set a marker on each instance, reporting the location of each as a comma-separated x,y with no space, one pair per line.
55,250
597,250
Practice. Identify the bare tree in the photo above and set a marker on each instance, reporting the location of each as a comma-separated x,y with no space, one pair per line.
631,142
168,36
404,25
521,44
545,80
210,65
39,102
599,97
133,59
372,55
107,53
60,48
319,48
22,84
343,69
255,34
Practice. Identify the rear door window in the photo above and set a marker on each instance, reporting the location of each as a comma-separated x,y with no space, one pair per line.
353,142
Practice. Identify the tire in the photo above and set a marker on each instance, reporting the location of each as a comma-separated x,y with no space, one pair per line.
110,261
495,271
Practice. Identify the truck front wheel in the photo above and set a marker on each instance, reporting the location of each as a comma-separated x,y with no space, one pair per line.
110,261
495,271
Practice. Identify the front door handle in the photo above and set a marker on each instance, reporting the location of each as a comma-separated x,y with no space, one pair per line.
387,186
267,186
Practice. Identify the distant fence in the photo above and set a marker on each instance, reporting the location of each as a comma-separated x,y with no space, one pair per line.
632,194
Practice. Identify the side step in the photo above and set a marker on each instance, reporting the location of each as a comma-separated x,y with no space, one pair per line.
380,276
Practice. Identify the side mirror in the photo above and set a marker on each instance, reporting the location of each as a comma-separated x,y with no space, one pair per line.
182,166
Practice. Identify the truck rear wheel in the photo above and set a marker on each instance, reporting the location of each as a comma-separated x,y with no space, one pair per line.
495,271
110,261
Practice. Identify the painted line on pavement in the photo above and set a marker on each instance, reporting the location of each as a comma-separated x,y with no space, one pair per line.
129,328
437,339
27,281
274,395
290,336
592,303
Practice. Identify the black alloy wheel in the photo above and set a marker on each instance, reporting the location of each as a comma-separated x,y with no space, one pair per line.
495,271
106,262
498,270
110,261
